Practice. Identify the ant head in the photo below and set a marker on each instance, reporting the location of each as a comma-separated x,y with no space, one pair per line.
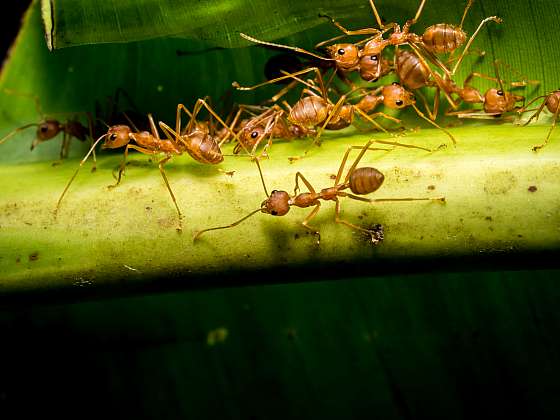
370,67
117,136
46,130
251,135
278,204
499,101
397,97
345,55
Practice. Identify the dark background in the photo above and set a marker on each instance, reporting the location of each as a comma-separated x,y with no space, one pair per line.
451,346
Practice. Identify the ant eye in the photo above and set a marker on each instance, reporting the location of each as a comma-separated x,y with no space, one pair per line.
113,136
396,84
44,129
373,58
274,212
399,102
341,51
254,134
500,93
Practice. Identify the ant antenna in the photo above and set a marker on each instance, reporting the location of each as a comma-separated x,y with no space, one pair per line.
498,75
198,234
469,4
17,130
102,122
130,122
262,178
77,170
287,47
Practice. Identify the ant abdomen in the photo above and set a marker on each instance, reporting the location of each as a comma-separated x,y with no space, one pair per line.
411,71
553,101
203,148
309,111
365,180
443,38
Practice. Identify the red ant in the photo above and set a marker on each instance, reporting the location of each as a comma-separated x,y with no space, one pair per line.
360,181
49,128
552,103
197,142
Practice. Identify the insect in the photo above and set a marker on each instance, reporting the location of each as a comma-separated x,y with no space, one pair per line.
552,103
360,181
197,142
271,123
495,101
436,39
49,128
345,57
316,111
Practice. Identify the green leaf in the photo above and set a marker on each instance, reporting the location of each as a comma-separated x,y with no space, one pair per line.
127,234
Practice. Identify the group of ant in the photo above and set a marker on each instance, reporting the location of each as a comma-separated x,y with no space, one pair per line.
252,125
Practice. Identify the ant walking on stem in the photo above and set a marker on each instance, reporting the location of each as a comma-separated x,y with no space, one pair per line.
360,181
197,142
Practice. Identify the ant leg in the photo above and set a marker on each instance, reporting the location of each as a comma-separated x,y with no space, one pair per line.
383,200
354,164
287,47
421,115
167,131
299,175
164,176
76,173
432,113
554,121
199,233
364,31
378,18
408,146
310,216
62,153
203,103
536,114
376,237
473,36
370,119
283,91
467,7
123,164
153,127
17,130
286,76
416,48
410,22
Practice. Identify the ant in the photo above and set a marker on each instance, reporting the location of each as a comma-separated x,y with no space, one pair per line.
552,103
360,181
49,128
316,109
495,102
439,38
197,142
